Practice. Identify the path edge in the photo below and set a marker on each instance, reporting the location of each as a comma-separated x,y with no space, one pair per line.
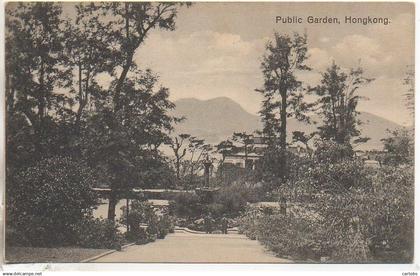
188,230
105,253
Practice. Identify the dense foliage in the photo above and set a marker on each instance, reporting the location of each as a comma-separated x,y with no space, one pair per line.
340,209
44,203
289,235
98,233
284,58
59,107
337,100
400,147
228,201
144,223
80,113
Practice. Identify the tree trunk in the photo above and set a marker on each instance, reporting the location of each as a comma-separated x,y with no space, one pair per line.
177,169
334,112
121,80
112,204
81,100
283,134
283,119
222,165
191,174
10,95
283,206
40,131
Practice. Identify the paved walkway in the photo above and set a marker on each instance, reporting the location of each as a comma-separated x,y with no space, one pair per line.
196,248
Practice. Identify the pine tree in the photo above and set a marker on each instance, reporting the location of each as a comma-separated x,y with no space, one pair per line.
337,103
282,91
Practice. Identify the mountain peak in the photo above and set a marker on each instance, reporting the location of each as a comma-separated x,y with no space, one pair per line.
216,119
221,99
217,100
187,100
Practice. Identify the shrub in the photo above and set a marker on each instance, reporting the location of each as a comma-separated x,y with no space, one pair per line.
98,233
171,228
152,227
339,176
46,199
162,230
248,222
142,212
350,214
291,234
271,166
231,200
330,151
346,228
229,173
165,225
391,219
152,237
399,146
140,237
379,218
187,205
159,227
217,210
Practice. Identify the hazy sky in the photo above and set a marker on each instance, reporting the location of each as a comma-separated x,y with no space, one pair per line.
216,50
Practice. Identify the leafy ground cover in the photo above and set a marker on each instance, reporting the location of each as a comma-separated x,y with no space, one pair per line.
47,255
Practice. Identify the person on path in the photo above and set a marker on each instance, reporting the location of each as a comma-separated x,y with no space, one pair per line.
208,224
224,225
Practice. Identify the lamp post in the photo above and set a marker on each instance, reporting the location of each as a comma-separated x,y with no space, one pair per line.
207,165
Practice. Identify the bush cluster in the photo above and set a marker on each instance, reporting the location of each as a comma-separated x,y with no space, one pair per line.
98,233
46,200
341,210
144,224
227,202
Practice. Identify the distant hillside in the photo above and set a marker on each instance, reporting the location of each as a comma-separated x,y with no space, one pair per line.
216,119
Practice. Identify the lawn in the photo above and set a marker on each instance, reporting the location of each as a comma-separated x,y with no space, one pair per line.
50,255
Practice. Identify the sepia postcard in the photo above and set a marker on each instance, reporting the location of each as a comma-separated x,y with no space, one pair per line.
209,132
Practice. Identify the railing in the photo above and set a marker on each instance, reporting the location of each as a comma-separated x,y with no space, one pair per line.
145,193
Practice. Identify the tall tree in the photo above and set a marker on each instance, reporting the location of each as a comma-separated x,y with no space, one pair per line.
246,142
89,54
282,91
338,100
179,145
53,70
225,148
127,25
399,147
35,73
123,144
198,149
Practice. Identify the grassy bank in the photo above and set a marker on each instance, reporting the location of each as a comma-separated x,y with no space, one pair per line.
50,255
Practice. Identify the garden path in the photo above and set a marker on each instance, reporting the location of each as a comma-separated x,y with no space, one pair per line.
196,248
